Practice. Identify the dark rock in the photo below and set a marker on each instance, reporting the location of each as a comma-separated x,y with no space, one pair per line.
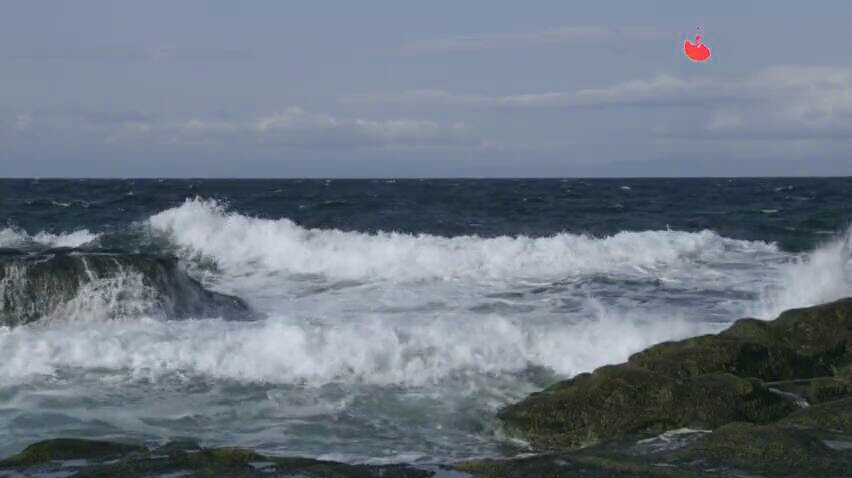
108,460
702,382
69,449
38,285
720,354
622,399
815,331
833,416
567,465
61,250
800,343
825,389
769,449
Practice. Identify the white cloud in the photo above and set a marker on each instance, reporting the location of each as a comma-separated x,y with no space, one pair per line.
137,126
295,117
805,101
723,120
792,102
292,128
196,125
126,55
817,90
664,89
23,121
820,96
295,127
563,35
396,128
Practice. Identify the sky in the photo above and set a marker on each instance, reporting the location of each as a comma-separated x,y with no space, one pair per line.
423,88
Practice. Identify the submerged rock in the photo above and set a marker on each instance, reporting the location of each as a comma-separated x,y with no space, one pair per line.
622,399
768,449
566,465
69,449
106,459
67,283
735,449
800,343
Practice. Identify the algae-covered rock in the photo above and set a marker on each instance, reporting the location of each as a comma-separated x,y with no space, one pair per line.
69,449
824,389
800,343
768,449
844,370
100,459
621,399
835,416
722,354
62,282
566,465
822,330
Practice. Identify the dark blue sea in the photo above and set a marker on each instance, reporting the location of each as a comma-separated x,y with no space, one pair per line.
394,317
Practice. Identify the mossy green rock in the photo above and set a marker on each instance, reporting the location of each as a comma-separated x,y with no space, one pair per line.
109,460
720,354
800,343
70,449
769,449
835,416
815,331
621,399
567,465
825,389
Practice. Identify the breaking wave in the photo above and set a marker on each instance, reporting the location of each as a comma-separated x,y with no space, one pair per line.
350,338
372,351
16,238
243,244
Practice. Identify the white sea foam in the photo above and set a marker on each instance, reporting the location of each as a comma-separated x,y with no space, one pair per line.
372,350
374,329
420,332
259,252
242,245
124,295
14,237
367,345
822,275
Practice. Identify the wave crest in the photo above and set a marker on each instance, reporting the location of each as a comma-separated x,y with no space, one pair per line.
17,238
242,244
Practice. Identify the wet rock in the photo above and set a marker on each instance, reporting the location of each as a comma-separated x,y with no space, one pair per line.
768,449
70,449
36,286
98,459
622,399
834,416
825,389
565,465
800,343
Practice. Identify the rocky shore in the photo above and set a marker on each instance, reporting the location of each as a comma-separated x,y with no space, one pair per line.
55,282
762,398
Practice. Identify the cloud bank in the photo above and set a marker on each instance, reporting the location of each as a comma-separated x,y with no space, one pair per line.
808,100
566,35
293,127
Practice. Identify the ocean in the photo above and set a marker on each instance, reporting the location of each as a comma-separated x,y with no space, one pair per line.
392,318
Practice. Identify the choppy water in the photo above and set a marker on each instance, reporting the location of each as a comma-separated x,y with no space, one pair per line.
399,316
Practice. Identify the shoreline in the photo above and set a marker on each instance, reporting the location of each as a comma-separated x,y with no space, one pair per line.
770,398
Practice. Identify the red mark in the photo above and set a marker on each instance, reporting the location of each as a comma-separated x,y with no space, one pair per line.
696,51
